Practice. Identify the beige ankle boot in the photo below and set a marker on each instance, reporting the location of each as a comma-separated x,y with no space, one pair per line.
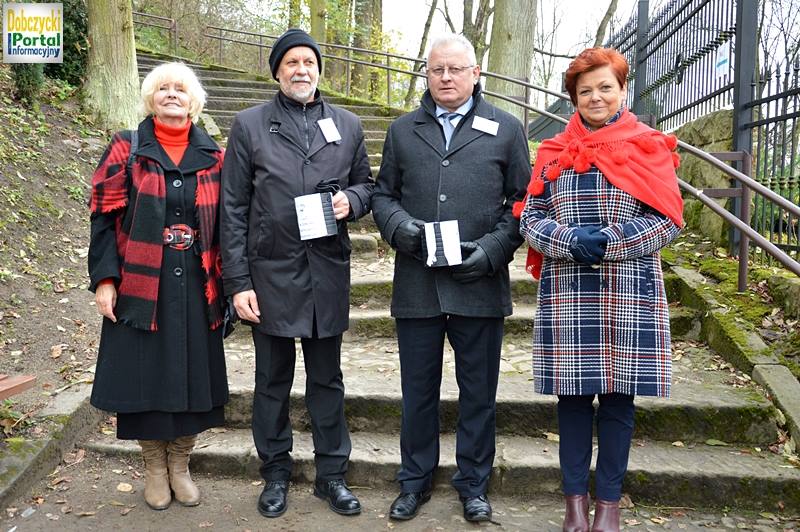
178,452
156,480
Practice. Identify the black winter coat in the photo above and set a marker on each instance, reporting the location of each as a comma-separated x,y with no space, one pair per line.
268,164
180,367
475,182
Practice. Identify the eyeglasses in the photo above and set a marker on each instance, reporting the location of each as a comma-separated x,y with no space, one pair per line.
454,71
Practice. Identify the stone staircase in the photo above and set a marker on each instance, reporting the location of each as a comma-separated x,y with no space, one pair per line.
706,446
230,92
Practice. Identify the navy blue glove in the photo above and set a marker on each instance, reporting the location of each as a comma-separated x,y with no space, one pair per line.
408,237
588,245
475,266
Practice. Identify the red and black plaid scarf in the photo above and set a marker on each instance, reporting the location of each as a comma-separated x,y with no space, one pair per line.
139,236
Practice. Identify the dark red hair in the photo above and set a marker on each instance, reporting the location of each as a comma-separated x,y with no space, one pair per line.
591,59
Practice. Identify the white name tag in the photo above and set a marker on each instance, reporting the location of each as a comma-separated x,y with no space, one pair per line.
485,125
315,215
329,130
442,243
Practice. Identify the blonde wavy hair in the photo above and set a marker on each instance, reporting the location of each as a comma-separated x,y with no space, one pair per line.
177,72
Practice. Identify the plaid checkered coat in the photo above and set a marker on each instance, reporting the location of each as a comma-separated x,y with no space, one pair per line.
604,330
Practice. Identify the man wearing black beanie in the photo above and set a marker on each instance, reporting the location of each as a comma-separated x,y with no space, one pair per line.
287,282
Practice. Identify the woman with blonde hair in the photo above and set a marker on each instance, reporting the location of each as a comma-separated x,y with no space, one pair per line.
154,266
602,201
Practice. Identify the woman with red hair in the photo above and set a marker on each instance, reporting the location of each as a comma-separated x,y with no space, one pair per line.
602,201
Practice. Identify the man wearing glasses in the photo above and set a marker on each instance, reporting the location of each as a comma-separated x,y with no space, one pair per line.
455,158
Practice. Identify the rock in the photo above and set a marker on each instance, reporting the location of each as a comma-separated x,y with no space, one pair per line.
207,122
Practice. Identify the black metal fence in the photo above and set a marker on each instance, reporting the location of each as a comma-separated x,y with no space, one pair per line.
681,59
776,134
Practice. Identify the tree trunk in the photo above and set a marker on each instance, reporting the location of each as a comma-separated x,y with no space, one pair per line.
412,85
601,29
337,27
318,14
294,13
475,30
361,39
377,77
511,53
112,79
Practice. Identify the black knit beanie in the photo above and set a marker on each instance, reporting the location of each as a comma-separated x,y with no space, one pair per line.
293,37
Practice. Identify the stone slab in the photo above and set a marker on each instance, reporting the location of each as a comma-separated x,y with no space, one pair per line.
785,391
708,400
701,475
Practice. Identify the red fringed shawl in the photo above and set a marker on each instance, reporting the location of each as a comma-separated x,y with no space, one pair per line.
632,156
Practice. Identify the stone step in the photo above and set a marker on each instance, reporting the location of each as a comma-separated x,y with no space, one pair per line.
224,119
233,103
377,322
230,102
699,476
203,73
707,400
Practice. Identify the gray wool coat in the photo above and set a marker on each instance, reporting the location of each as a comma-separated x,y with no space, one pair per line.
267,165
476,182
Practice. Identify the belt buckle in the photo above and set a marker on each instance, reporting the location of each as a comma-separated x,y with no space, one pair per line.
179,236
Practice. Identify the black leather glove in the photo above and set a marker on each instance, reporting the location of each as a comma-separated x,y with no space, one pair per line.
588,245
475,266
408,237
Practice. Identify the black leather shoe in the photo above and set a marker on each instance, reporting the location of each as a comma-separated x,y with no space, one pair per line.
406,505
340,499
477,508
272,501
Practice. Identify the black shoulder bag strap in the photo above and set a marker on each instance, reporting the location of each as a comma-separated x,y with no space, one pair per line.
132,154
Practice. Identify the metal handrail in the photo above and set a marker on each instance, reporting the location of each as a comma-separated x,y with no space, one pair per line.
749,184
172,28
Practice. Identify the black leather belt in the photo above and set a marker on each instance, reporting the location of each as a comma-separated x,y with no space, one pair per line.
180,236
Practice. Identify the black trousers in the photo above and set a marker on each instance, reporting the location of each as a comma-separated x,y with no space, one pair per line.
477,343
576,417
272,431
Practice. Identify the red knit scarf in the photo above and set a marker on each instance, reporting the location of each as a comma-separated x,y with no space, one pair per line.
141,199
632,156
174,139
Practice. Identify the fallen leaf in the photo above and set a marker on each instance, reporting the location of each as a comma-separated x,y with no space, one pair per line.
56,350
86,514
716,443
125,511
551,436
678,444
625,501
206,524
659,520
124,487
632,522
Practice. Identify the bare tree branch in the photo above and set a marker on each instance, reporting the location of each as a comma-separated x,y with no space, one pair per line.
552,54
601,29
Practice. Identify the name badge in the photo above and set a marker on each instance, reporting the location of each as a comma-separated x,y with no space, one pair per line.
329,130
485,125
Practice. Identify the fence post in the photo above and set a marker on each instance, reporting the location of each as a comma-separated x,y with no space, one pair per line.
260,55
219,57
525,112
349,70
743,72
388,83
744,240
640,63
